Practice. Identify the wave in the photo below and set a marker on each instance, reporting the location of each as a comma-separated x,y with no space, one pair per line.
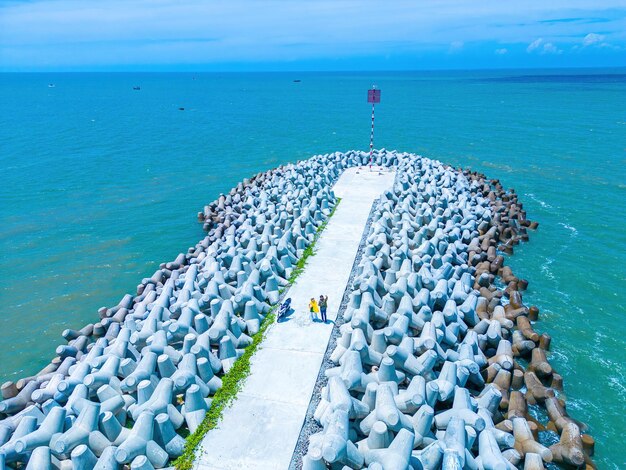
569,227
499,166
561,357
543,204
617,383
545,269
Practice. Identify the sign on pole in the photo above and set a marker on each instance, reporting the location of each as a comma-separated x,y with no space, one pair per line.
373,96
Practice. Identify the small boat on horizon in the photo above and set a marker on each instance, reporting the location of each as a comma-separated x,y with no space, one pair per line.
297,80
136,88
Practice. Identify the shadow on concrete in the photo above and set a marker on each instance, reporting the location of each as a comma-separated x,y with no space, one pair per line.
285,317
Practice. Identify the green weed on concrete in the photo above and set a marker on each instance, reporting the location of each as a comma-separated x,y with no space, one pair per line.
231,384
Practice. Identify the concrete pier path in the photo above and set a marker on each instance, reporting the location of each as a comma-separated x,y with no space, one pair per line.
260,430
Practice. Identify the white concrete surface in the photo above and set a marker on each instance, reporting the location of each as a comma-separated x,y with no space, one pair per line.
261,428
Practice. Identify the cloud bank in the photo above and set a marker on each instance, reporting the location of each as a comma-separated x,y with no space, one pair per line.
327,34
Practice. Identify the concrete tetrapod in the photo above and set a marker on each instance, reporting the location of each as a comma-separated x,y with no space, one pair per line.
386,410
195,407
334,446
166,437
40,459
86,423
83,458
52,424
107,460
394,457
139,442
26,426
569,450
489,453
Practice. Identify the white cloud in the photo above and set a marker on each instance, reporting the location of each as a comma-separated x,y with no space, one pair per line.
542,47
502,51
455,46
592,38
534,45
549,48
611,47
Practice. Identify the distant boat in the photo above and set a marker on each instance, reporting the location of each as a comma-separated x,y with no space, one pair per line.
181,109
136,88
51,85
297,80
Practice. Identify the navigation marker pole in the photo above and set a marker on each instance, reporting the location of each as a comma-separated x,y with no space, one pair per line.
373,96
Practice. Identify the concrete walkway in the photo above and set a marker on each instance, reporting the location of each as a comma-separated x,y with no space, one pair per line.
260,430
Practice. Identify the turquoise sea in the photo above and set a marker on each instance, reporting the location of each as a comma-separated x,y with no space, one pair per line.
99,183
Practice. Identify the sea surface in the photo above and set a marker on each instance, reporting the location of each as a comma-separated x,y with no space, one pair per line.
99,183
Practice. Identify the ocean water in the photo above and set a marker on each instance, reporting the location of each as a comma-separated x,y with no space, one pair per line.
99,183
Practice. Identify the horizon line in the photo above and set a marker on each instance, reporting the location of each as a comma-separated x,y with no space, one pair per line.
482,69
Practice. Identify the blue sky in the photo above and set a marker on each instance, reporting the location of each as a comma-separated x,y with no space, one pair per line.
217,35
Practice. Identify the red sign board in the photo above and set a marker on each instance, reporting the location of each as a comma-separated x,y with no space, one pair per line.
373,96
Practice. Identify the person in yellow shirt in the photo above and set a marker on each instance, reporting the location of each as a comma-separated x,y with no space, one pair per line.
314,308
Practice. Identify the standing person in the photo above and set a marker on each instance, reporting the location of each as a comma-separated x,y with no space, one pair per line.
323,306
313,308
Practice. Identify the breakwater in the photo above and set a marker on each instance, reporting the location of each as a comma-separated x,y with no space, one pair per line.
437,364
121,388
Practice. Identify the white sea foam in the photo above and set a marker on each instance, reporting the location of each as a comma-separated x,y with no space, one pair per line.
599,336
564,294
595,284
560,357
545,269
573,230
577,404
617,383
543,204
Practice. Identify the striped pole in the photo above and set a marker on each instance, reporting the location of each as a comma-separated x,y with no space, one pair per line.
372,138
373,96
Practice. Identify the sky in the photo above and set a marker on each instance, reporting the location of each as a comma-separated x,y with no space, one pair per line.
274,35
